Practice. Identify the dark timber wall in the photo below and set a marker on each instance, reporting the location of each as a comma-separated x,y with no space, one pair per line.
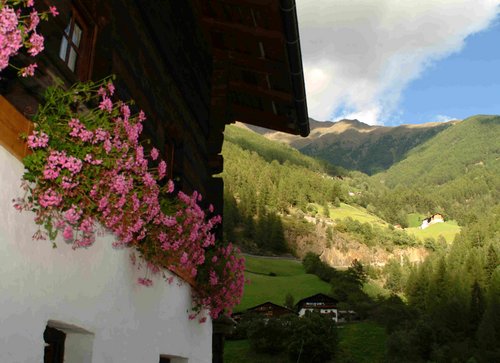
157,51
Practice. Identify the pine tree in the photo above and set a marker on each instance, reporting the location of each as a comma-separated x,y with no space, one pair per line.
357,271
230,216
488,333
476,308
491,262
394,276
277,242
326,209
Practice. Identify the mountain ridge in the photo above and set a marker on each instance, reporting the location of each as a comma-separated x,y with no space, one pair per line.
355,145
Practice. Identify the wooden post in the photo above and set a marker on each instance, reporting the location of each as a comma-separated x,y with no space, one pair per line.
12,124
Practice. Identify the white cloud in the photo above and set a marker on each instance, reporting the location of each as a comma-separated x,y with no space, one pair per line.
359,55
443,118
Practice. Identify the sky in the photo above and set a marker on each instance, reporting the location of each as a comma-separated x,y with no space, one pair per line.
391,62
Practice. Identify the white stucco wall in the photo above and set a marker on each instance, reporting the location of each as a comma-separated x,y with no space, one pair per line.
303,311
93,289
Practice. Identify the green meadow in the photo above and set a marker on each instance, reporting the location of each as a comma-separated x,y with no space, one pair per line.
362,342
447,229
272,279
357,213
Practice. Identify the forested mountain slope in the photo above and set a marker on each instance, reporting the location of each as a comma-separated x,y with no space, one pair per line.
265,180
278,200
358,146
457,171
471,144
451,289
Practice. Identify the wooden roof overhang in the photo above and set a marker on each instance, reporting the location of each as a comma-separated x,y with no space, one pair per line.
257,63
318,301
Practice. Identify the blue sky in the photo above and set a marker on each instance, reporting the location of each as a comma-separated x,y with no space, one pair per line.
462,85
390,62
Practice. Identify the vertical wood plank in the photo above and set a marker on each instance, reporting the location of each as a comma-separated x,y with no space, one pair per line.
12,124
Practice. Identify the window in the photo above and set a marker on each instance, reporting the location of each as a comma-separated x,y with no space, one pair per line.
54,345
70,43
172,359
67,343
77,42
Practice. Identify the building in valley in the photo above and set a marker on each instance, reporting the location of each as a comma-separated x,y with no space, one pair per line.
433,219
319,303
270,310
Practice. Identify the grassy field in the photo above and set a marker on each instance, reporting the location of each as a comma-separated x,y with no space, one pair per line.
359,342
281,267
290,278
357,213
239,351
362,342
415,219
447,229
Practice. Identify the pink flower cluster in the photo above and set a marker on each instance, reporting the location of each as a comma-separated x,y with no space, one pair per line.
49,198
192,234
226,281
18,30
11,39
90,176
38,139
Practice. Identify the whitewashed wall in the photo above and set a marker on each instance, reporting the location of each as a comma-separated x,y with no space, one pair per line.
92,290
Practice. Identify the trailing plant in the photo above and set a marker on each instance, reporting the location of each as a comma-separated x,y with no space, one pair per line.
89,170
18,29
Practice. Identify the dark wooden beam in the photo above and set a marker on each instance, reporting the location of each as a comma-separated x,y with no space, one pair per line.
216,164
259,3
264,119
261,91
251,63
234,28
219,114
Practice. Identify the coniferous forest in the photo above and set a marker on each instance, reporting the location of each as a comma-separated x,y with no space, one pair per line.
443,308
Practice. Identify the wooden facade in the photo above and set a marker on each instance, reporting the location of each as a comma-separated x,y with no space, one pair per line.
192,66
270,310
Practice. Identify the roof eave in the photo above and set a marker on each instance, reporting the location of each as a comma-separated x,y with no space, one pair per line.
290,24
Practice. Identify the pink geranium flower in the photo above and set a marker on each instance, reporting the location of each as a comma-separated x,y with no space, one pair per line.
53,11
29,70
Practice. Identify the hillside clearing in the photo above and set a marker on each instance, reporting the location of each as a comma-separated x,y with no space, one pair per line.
359,214
290,278
447,229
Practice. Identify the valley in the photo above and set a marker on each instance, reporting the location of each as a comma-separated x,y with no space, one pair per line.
280,202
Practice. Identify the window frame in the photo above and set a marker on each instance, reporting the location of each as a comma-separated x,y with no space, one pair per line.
78,15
